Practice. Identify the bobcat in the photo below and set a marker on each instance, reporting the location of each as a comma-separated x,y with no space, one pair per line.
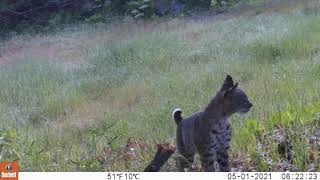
208,132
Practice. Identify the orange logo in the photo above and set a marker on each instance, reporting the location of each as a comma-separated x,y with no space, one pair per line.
9,170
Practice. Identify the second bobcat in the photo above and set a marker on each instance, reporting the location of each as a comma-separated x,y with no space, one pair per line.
208,132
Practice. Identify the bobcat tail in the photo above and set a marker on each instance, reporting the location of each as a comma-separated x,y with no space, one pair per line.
176,115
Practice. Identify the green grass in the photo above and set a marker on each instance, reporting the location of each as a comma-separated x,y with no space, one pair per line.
140,74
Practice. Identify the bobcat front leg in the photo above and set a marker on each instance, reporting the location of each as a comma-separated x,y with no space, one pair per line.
223,160
207,162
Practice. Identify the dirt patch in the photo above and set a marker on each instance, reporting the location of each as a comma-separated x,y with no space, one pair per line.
13,52
73,49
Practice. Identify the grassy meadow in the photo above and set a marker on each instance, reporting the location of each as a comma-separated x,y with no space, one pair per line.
70,100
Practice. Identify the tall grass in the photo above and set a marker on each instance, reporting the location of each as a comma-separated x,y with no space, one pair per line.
133,83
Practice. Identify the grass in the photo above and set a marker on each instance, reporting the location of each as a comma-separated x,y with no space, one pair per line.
61,113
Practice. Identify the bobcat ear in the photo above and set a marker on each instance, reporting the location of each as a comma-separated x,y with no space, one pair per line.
228,83
228,91
235,86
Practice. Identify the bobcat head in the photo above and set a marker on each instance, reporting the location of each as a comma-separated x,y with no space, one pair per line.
234,99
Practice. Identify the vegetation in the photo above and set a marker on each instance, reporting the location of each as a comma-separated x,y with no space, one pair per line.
48,14
70,100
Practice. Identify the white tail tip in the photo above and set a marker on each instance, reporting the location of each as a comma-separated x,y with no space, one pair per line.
175,111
